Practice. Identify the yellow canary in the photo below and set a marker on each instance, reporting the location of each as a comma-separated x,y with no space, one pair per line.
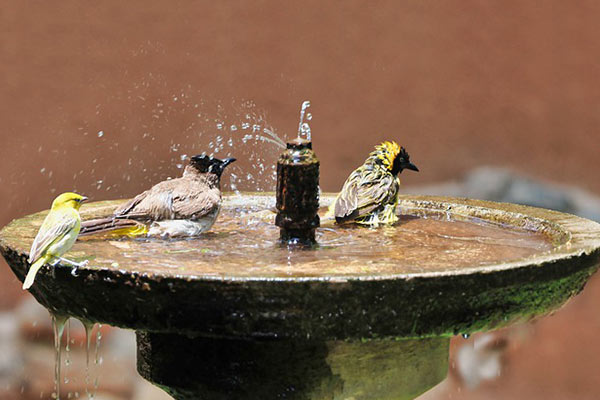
370,194
56,235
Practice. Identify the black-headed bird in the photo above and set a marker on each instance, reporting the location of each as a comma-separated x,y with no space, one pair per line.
56,235
185,206
370,194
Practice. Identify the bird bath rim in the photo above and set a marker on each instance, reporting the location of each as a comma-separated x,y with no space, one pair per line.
558,228
335,307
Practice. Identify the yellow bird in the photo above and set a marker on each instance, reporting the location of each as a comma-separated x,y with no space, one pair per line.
56,235
370,194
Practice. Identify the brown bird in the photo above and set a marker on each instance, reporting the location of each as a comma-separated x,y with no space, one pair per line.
370,194
185,206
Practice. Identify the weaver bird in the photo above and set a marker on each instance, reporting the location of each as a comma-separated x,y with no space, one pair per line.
185,206
370,194
56,235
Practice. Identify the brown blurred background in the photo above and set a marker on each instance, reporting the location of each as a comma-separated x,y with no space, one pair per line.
107,97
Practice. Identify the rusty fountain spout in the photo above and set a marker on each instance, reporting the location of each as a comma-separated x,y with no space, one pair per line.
298,188
298,193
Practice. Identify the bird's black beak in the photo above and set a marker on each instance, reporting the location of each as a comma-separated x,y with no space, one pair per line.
227,161
411,166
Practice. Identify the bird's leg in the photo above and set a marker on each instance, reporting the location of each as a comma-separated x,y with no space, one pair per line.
53,264
73,263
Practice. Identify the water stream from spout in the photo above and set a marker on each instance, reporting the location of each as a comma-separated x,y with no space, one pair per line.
303,126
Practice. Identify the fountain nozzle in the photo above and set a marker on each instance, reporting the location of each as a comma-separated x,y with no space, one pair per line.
298,193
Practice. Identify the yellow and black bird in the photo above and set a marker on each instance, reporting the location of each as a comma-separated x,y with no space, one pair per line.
185,206
370,194
56,235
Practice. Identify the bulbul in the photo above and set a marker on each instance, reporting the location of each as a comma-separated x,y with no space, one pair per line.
185,206
370,194
56,235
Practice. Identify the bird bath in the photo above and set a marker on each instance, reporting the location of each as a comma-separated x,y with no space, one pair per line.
366,315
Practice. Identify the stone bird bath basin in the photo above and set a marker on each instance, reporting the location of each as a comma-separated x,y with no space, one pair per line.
366,315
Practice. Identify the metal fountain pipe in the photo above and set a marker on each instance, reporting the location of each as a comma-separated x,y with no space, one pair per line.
298,193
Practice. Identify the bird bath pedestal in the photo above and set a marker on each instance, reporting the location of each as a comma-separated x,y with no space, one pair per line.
366,315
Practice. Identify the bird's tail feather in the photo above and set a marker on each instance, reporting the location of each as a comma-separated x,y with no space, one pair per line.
33,272
114,226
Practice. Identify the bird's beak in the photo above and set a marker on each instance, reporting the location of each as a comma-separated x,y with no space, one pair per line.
83,198
411,166
228,161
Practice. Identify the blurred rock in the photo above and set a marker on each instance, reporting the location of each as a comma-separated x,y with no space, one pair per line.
480,360
487,183
34,321
504,185
11,357
144,390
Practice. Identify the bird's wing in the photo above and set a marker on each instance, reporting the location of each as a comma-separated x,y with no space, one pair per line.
362,193
347,201
123,210
195,204
56,225
154,204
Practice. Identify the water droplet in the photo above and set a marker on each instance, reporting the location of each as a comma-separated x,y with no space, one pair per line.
233,128
100,133
308,116
246,138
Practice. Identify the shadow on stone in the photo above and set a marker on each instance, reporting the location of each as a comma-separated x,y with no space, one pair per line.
220,369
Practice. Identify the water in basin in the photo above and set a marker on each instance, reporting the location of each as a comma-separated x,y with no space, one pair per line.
244,243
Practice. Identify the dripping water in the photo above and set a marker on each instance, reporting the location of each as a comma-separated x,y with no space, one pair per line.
58,326
97,359
89,327
67,350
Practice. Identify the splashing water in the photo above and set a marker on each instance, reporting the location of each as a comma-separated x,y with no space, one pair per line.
304,127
